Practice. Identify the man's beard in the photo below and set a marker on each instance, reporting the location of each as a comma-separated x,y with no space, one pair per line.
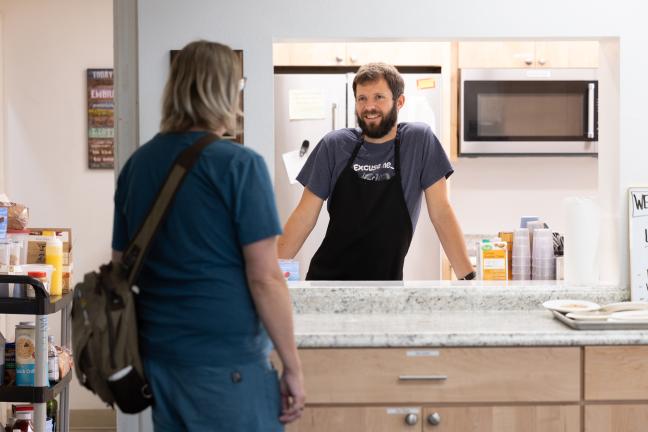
382,128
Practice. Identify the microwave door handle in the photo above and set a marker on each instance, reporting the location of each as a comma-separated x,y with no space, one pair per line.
590,110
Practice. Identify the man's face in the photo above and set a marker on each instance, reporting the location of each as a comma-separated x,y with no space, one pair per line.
376,110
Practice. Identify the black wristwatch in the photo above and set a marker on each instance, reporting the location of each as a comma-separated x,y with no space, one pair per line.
470,276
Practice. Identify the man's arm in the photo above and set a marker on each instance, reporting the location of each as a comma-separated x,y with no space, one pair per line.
272,300
447,227
300,224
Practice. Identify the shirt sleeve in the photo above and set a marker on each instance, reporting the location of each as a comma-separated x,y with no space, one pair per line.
255,212
435,161
317,171
120,228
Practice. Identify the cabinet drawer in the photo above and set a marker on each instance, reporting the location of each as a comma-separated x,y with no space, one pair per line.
443,375
616,373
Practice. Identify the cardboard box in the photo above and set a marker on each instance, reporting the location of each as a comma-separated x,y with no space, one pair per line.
36,245
494,261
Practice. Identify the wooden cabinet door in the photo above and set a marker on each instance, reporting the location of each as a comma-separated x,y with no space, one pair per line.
356,419
309,54
554,418
567,54
616,373
497,54
399,53
616,418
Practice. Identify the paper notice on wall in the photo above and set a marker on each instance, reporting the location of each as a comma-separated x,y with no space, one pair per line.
306,104
638,226
293,164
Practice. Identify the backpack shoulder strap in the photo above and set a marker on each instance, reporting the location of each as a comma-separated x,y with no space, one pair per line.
134,254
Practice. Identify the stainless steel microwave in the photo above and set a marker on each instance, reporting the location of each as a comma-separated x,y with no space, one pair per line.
528,112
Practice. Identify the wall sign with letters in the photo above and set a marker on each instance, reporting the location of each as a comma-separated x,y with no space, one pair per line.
638,232
101,120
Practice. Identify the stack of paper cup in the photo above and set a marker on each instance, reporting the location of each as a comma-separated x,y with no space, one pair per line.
544,264
521,255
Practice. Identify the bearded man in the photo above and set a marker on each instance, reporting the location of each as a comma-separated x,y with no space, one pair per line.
374,178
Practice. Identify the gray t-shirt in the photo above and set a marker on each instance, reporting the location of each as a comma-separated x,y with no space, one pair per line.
423,162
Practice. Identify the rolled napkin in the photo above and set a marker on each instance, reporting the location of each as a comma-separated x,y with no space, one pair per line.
581,241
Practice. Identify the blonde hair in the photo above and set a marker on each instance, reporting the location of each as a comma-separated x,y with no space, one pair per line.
202,89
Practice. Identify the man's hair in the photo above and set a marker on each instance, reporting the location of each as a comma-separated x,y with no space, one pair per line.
374,71
203,89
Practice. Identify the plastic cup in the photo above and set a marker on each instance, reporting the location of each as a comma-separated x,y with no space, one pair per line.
5,252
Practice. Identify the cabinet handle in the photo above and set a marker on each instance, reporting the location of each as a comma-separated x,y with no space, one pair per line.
434,419
542,61
411,419
353,58
338,59
528,61
590,110
422,377
333,114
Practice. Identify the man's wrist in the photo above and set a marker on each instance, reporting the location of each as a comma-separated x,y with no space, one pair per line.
470,276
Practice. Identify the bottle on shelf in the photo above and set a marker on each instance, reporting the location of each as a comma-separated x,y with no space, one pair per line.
52,412
54,257
52,361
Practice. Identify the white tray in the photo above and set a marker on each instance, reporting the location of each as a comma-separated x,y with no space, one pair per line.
598,325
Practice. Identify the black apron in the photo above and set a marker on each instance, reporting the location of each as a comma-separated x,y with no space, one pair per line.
370,229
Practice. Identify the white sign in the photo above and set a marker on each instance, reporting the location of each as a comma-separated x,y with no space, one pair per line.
306,104
638,232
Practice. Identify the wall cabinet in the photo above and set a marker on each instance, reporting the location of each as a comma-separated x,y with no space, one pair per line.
309,54
529,54
358,53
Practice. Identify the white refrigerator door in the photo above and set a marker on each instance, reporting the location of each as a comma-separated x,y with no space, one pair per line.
423,104
307,107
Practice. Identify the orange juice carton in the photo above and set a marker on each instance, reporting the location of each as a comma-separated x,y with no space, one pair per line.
494,261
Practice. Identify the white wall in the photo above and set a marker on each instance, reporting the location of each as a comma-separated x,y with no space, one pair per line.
252,26
490,194
47,47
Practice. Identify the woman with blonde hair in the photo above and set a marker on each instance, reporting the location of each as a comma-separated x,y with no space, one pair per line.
211,293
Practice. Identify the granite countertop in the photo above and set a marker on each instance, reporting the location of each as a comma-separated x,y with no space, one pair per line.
445,314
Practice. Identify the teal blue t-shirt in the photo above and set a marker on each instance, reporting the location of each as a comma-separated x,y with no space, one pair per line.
194,306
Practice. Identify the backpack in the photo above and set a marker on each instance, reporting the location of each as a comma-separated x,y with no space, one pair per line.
104,318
